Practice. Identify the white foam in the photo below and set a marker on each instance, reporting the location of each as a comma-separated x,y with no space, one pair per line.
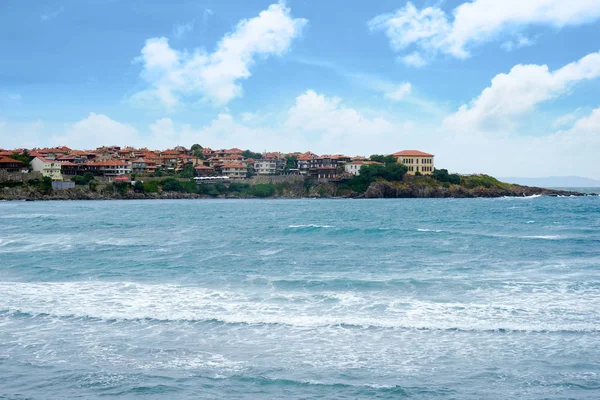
311,226
511,308
429,230
543,237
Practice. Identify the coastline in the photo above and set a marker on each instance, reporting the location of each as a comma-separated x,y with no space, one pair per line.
381,190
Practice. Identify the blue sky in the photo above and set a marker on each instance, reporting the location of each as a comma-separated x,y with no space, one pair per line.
507,88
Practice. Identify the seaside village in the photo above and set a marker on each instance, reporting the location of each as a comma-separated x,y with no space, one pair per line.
117,164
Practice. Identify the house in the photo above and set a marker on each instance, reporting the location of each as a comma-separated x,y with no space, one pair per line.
324,173
235,170
48,168
303,161
269,166
109,167
416,161
70,168
203,170
138,166
10,164
353,168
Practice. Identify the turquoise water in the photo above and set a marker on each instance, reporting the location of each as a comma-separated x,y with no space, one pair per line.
301,299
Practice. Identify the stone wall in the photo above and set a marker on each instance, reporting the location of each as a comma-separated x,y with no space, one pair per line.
274,179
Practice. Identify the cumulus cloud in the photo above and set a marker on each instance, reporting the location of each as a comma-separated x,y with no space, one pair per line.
94,131
215,77
314,113
514,94
432,31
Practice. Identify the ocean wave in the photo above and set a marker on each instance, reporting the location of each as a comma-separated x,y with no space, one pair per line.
548,311
429,230
312,322
311,226
543,237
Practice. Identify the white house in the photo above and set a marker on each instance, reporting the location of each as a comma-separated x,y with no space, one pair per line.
49,168
353,168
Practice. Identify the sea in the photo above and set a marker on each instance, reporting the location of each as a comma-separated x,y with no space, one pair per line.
301,299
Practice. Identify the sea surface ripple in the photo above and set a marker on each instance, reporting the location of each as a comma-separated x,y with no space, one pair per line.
301,299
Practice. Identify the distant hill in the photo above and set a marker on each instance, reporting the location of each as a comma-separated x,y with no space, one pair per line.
555,181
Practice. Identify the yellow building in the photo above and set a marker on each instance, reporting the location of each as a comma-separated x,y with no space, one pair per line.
416,161
49,168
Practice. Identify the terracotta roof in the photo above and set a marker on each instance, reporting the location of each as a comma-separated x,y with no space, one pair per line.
7,160
45,160
122,179
68,164
203,167
412,153
363,163
238,166
107,163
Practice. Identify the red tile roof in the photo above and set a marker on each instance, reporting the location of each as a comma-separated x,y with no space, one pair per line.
412,153
8,160
229,166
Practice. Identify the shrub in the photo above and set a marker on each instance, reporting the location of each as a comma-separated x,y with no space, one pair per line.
262,190
151,187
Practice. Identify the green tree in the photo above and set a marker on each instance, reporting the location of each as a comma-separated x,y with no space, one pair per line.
158,172
171,185
83,180
249,154
138,187
291,162
442,175
188,171
384,159
262,190
370,173
24,157
122,187
196,150
151,187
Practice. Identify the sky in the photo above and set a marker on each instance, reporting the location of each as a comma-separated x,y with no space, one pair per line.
508,88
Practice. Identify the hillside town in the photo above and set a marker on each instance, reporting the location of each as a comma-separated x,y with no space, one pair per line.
127,163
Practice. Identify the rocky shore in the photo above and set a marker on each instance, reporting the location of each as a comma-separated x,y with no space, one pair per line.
375,190
388,190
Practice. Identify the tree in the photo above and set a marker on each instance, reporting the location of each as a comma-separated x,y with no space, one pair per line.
370,173
262,190
188,171
249,154
384,159
151,187
158,172
443,176
83,180
138,187
171,185
291,162
24,157
196,150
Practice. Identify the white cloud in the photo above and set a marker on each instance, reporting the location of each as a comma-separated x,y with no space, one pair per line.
215,77
564,120
181,30
432,31
94,131
413,60
330,120
399,93
514,94
517,43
